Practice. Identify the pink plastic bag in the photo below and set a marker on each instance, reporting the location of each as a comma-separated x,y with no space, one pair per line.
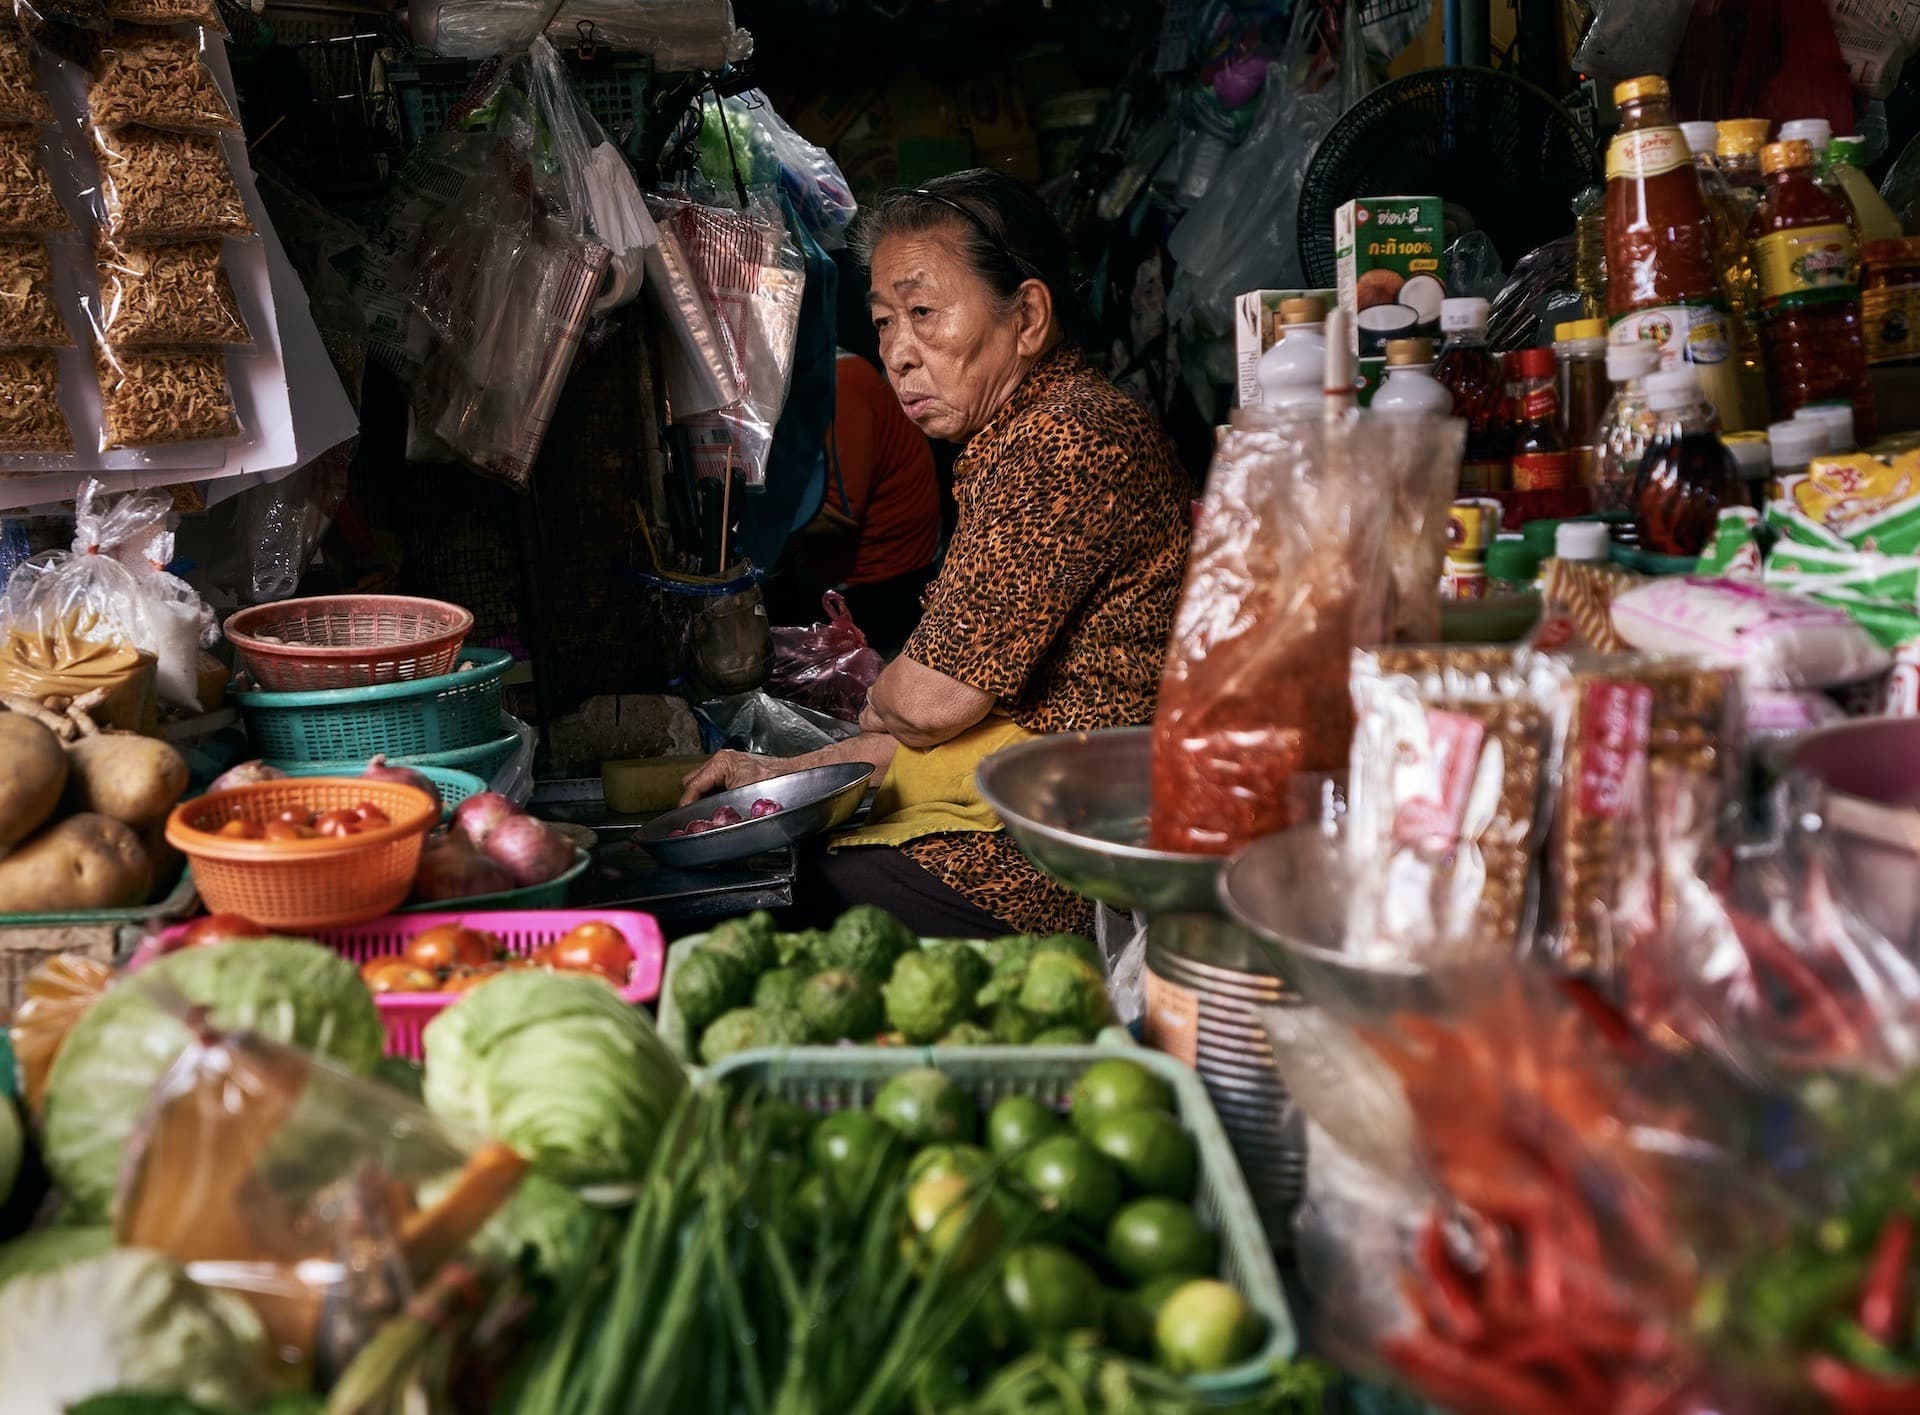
827,667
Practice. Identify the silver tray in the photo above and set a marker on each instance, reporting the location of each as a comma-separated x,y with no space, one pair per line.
812,802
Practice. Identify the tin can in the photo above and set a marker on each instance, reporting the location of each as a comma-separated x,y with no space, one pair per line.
1473,524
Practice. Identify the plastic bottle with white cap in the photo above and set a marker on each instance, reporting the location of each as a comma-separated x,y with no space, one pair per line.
1582,540
1835,419
1687,474
1754,457
1290,374
1795,444
1626,427
1815,132
1410,388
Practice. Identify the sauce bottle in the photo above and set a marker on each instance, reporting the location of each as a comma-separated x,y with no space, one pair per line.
1625,428
1873,219
1410,387
1687,474
1663,282
1469,370
1541,460
1590,251
1810,310
1290,373
1580,347
1731,214
1737,153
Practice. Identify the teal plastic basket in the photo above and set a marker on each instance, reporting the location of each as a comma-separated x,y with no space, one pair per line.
554,894
483,761
454,786
454,712
826,1081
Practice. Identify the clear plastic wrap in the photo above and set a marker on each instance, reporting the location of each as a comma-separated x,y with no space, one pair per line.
159,79
827,667
28,206
1579,595
30,415
37,16
1776,641
164,297
678,34
766,151
1422,456
204,13
20,98
158,186
29,318
55,996
152,398
178,623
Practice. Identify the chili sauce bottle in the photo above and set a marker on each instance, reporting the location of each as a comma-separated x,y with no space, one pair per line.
1687,474
1472,374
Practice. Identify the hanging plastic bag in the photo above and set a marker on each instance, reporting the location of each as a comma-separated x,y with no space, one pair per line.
54,997
829,666
743,136
678,35
1632,37
178,622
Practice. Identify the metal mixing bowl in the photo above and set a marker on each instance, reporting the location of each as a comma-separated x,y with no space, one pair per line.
812,802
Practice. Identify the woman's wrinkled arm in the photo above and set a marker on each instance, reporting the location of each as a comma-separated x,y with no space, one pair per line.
920,707
728,771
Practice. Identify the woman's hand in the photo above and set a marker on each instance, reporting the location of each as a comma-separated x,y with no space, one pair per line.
728,771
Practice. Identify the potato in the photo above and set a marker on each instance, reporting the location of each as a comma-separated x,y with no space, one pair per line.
132,779
33,773
84,862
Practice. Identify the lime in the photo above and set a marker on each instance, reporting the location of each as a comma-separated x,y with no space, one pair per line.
851,1150
1017,1122
967,1161
1070,1179
926,1107
1108,1086
1050,1290
1152,1295
1205,1326
1154,1153
955,1228
1152,1238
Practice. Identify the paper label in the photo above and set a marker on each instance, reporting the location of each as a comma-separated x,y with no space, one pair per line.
1542,471
1647,152
1890,319
1431,822
1171,1024
1814,260
1614,731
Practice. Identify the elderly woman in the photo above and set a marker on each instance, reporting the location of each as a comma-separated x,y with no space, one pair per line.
1052,610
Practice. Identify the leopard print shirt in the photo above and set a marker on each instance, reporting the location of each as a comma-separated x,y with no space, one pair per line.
1057,594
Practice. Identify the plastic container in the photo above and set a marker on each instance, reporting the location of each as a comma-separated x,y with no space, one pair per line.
1580,347
304,884
348,641
1794,444
1873,219
176,903
483,761
454,786
827,1081
554,894
1469,370
1755,461
1625,428
1587,541
1835,420
1410,388
448,713
1513,567
1816,133
1687,474
1291,374
430,91
1890,301
1541,460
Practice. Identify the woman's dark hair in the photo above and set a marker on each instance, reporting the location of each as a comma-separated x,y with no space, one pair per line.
1008,236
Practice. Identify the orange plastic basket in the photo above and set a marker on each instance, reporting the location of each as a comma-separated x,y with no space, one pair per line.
348,641
304,884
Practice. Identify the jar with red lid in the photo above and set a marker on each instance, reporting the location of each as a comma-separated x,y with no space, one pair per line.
1890,300
1541,459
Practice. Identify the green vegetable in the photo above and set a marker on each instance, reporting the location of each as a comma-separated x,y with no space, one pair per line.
44,1249
867,940
543,1225
969,962
13,1145
780,987
707,983
1065,991
841,1003
1074,945
801,950
926,1107
927,995
559,1068
751,940
287,990
746,1028
127,1320
404,1075
1062,1037
966,1034
1013,1026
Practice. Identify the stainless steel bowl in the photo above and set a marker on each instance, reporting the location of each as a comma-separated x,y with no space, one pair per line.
812,802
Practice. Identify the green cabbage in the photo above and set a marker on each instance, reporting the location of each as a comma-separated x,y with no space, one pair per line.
557,1067
128,1320
13,1146
44,1249
284,989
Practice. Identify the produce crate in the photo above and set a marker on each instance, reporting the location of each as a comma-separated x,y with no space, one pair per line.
454,786
28,940
483,761
830,1080
551,895
430,92
450,713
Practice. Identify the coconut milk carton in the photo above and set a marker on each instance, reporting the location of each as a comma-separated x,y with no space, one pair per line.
1392,269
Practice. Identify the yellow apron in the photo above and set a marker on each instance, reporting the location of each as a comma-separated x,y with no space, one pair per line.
933,792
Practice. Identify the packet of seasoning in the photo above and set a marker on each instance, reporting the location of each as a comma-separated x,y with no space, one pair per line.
43,18
29,318
1647,773
28,206
30,416
20,98
158,186
158,79
158,297
1446,790
1579,598
150,399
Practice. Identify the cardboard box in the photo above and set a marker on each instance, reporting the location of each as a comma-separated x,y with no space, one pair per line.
1256,319
1391,258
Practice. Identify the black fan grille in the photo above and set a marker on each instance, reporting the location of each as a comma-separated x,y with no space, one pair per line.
1494,145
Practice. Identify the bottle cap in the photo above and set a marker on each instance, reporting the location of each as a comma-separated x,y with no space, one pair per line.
1511,558
1816,132
1534,363
1404,352
1541,535
1797,443
1835,418
1751,451
1673,390
1743,137
1582,540
1463,313
1852,151
1646,86
1779,156
1637,360
1579,329
1303,309
1702,138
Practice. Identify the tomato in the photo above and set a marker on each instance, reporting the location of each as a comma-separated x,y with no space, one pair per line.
282,830
594,948
469,979
452,946
371,815
339,823
541,957
397,975
238,829
219,928
295,816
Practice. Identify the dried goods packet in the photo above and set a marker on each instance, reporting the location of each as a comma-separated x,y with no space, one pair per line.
37,16
20,98
1648,770
30,416
28,205
165,297
1579,598
204,13
1452,752
29,318
160,186
158,79
150,399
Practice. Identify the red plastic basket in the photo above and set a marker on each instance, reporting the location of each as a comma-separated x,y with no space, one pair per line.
348,641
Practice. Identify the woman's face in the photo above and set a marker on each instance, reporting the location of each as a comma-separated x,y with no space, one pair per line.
953,353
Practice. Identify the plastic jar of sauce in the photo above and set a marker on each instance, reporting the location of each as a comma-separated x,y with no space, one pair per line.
1890,300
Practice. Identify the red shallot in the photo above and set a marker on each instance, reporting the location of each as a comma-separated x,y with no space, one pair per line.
246,774
763,808
478,816
450,868
378,770
530,850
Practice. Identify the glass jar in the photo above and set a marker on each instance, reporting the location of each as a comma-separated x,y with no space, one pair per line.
1580,346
